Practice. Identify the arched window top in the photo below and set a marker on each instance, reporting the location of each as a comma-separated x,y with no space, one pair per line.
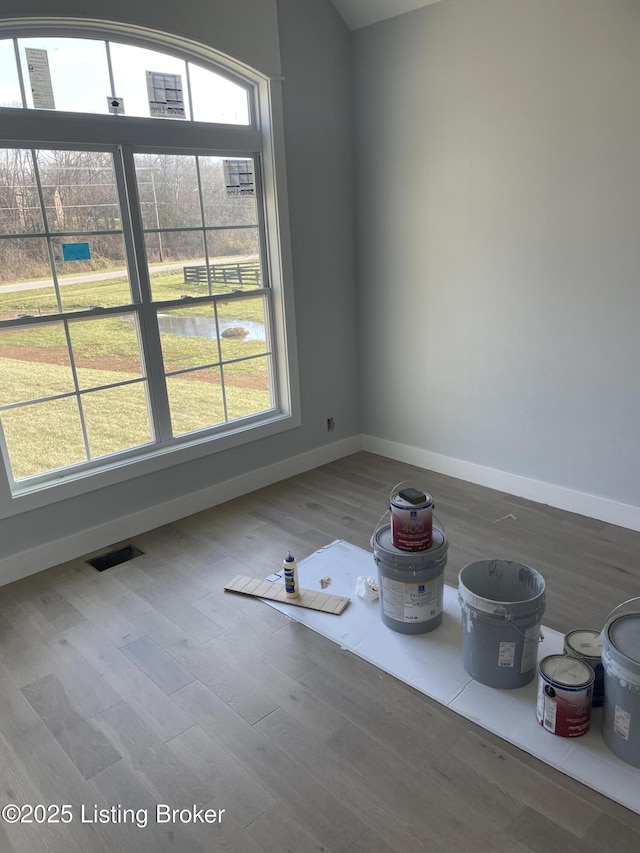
96,76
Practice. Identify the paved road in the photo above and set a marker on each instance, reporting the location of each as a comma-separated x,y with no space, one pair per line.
103,276
75,279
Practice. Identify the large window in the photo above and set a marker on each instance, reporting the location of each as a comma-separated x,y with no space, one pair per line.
136,267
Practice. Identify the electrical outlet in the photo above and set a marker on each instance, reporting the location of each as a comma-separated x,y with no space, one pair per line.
331,424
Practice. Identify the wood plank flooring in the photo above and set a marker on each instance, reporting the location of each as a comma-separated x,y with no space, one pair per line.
147,684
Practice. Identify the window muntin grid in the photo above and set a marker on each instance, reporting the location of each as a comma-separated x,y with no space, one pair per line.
98,76
94,357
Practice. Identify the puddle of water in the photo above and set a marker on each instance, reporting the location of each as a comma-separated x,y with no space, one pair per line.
205,327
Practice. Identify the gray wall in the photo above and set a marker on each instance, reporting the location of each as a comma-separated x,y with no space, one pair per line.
318,147
244,29
499,254
318,119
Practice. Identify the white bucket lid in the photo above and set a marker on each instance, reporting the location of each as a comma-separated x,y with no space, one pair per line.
621,637
385,551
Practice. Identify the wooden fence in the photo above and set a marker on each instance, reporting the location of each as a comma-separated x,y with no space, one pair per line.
236,274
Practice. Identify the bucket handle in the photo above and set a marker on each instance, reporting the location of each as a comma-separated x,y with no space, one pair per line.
522,633
624,604
377,527
506,617
388,510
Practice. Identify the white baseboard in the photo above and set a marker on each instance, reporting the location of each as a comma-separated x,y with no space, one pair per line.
624,515
36,559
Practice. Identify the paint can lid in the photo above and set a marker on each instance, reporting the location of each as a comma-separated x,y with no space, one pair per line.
384,549
566,670
623,634
583,642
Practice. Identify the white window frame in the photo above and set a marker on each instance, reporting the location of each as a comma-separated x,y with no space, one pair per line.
28,126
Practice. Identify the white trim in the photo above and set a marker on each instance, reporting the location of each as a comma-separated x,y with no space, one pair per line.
45,556
592,506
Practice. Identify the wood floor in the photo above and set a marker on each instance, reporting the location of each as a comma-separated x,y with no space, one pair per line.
147,685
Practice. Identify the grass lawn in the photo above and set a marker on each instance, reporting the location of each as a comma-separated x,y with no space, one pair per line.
34,363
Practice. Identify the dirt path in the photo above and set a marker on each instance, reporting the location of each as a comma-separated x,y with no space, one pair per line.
116,363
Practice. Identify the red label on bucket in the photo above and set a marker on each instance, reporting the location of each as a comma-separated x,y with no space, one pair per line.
411,523
564,695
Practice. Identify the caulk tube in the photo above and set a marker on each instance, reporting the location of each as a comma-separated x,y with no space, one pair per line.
290,567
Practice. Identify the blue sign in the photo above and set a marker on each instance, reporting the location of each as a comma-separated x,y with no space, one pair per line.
75,252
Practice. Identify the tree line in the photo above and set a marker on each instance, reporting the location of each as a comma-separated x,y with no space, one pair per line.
70,194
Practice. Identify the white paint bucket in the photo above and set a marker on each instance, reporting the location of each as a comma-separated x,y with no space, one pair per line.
586,644
411,519
502,606
411,585
621,661
565,689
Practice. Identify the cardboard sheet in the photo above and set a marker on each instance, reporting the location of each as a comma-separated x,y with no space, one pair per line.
313,599
432,664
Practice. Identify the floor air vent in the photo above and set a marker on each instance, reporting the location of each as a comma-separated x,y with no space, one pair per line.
115,558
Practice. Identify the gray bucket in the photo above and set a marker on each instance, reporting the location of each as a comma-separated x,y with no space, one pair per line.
411,583
502,607
621,661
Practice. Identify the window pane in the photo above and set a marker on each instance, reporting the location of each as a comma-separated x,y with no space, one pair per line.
26,282
217,99
239,244
130,66
195,400
79,190
34,363
43,437
189,337
246,386
116,419
9,87
169,254
242,328
101,279
225,275
168,191
106,350
228,197
20,210
79,72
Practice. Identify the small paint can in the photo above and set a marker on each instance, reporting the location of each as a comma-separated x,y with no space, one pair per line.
411,519
565,688
586,644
